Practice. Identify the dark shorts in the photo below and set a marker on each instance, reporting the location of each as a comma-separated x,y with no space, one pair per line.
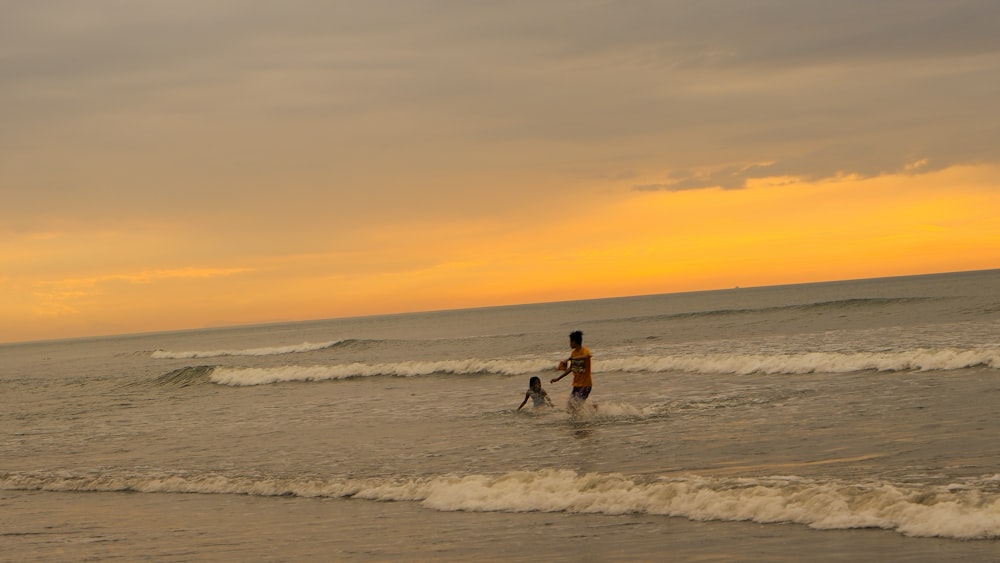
580,393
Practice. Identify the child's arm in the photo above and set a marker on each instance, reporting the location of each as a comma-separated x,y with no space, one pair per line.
547,399
526,395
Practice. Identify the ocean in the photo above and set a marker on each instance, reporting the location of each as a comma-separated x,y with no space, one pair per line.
838,421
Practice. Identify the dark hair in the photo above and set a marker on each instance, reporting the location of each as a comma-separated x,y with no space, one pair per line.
576,336
531,382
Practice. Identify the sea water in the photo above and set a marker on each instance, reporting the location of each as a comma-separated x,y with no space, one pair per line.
830,421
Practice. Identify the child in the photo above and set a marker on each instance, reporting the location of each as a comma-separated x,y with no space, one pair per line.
578,364
537,394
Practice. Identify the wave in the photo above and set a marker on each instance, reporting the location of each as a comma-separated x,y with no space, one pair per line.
263,376
837,305
186,376
266,351
967,511
718,364
811,362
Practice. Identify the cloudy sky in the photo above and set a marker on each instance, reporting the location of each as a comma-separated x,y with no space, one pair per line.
183,164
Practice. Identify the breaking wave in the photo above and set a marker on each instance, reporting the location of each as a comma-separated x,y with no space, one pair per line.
814,362
817,362
969,510
265,351
263,376
186,376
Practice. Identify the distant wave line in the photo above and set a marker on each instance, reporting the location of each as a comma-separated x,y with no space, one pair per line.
842,304
265,351
968,511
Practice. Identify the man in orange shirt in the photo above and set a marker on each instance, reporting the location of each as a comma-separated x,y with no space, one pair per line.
578,364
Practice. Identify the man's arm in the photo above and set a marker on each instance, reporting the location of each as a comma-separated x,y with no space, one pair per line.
567,372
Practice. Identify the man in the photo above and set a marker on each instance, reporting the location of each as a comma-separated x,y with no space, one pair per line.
579,365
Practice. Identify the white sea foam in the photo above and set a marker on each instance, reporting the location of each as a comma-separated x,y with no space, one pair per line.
263,376
265,351
964,512
814,362
613,410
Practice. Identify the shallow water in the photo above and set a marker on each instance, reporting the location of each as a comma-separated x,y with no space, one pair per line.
820,421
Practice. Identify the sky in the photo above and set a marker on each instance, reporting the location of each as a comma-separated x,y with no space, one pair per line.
201,163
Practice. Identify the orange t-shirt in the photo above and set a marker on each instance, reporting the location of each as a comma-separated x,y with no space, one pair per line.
581,368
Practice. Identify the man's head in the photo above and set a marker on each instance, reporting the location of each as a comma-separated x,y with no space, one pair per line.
576,338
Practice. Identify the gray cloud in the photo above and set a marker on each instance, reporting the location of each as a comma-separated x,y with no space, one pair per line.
705,90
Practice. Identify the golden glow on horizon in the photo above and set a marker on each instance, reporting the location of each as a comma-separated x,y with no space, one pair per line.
641,242
255,164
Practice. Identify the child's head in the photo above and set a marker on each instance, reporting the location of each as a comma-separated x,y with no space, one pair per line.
535,383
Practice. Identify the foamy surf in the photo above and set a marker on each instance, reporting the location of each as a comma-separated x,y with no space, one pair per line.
966,511
814,362
741,364
600,411
263,351
263,376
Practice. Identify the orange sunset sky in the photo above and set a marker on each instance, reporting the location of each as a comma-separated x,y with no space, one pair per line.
184,164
